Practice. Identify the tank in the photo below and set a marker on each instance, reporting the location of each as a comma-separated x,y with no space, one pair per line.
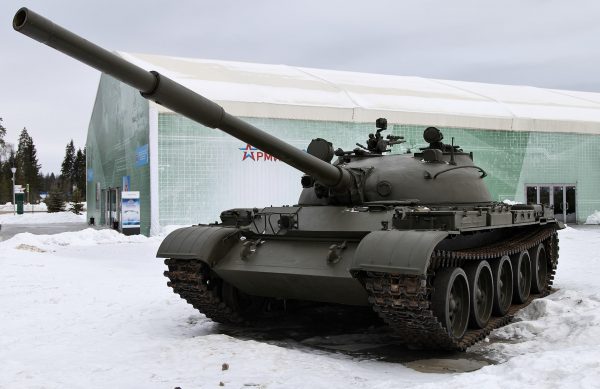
414,235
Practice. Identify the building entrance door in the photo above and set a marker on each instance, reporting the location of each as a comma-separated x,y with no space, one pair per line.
112,208
560,196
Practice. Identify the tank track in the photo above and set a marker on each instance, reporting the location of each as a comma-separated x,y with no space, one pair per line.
404,301
191,280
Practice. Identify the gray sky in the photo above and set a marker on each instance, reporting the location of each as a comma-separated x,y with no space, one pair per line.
547,43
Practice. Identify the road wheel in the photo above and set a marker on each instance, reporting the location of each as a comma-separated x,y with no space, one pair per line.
450,300
481,286
521,264
502,272
539,274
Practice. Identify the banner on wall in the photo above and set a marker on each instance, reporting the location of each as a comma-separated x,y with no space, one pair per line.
141,155
130,209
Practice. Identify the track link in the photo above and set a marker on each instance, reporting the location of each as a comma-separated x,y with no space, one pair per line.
404,301
191,280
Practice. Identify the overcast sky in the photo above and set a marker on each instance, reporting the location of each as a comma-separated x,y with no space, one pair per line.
546,43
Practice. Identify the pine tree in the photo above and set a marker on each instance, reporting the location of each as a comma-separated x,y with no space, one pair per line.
55,202
2,135
6,175
28,168
76,203
67,168
78,177
46,182
83,168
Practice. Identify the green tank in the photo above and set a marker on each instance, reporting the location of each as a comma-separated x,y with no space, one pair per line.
415,236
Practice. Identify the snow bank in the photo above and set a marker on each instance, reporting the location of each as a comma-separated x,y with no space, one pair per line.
87,237
9,207
42,218
41,207
594,218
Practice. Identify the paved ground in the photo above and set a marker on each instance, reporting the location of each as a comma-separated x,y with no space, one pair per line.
9,230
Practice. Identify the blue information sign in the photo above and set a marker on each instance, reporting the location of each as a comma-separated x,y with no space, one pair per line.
141,155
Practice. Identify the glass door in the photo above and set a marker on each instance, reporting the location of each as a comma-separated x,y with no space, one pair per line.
560,196
545,195
531,194
559,203
103,207
570,215
112,208
538,194
107,219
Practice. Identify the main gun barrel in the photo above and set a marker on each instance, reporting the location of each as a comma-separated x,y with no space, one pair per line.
174,96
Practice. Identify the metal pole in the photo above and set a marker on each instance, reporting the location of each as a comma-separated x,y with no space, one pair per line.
14,170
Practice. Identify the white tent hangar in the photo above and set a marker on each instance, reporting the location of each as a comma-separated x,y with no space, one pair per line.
288,92
534,140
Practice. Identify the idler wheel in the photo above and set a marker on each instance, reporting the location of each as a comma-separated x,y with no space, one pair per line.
481,287
502,272
521,264
539,266
450,300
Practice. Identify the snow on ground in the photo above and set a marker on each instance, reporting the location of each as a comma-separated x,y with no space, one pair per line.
594,218
9,207
90,309
40,207
42,218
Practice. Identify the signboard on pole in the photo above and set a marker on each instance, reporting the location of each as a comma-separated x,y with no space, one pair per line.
130,212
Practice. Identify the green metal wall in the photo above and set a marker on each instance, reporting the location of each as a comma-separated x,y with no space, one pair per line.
566,158
199,166
201,171
118,126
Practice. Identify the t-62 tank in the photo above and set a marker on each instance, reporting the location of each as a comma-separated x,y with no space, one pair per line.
416,236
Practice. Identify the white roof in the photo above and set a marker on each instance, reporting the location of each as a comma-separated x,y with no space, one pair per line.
289,92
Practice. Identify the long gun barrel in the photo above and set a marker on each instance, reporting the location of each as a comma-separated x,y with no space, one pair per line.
174,96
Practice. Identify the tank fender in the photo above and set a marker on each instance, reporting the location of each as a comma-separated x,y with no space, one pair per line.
205,243
406,251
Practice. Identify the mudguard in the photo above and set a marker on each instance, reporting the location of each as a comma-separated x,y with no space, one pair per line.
205,243
406,252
